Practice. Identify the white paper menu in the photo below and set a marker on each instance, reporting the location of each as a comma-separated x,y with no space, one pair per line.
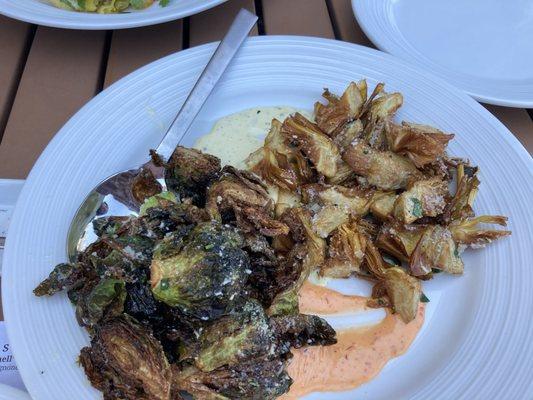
9,192
9,374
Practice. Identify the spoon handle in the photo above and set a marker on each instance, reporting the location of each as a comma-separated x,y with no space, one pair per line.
216,66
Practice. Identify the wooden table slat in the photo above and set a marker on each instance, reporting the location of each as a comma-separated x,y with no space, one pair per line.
15,37
61,74
211,25
297,17
133,48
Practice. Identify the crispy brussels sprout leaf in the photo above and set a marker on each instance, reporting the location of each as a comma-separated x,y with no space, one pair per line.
436,250
346,251
317,146
235,338
404,292
302,330
421,143
145,185
189,172
383,169
469,233
159,200
105,300
426,198
126,362
63,276
207,276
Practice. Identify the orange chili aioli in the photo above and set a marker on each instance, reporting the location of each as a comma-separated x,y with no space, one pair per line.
360,353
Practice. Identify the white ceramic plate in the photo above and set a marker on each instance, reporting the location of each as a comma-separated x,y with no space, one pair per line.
9,393
484,47
476,342
42,13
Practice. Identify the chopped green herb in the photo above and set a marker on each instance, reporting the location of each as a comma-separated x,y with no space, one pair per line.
436,271
417,207
164,3
209,246
424,298
456,252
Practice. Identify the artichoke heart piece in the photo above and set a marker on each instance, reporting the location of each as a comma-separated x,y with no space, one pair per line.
399,240
468,232
334,205
316,145
422,144
404,292
278,163
382,205
436,250
426,198
346,251
126,362
383,169
381,108
332,117
206,277
460,206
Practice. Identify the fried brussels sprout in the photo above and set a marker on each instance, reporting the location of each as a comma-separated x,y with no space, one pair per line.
243,196
125,361
332,118
206,276
235,338
404,292
426,198
422,144
467,231
189,172
346,251
436,250
383,169
316,145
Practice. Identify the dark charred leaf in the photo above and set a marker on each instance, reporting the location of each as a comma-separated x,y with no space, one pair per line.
145,185
63,276
302,330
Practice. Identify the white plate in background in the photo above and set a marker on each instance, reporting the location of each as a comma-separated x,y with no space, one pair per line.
476,340
484,47
43,13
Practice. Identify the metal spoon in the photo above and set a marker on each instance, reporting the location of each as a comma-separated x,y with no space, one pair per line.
113,196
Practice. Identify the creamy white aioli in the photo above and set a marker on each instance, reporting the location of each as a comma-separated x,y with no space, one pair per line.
235,136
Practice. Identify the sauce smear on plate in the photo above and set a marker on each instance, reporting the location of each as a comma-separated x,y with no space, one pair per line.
359,354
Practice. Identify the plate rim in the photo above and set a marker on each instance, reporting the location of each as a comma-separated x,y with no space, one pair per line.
87,25
383,42
514,144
